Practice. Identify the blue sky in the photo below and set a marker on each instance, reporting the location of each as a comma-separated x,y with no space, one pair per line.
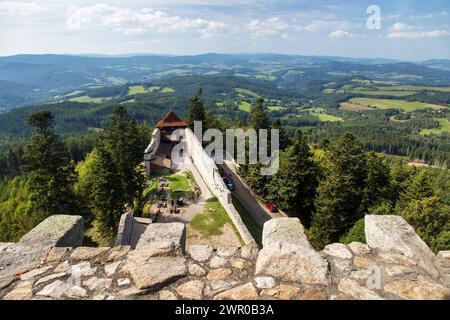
410,30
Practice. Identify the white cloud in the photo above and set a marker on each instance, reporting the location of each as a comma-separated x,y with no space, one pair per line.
269,27
130,21
398,27
14,8
417,34
327,25
340,34
428,16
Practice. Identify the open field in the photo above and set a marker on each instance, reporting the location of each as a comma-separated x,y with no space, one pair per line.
88,99
276,108
382,92
394,104
327,117
353,107
444,126
139,89
244,106
414,88
246,92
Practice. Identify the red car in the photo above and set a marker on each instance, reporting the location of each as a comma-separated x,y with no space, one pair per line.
272,207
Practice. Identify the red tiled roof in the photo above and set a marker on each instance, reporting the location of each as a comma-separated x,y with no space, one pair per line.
171,120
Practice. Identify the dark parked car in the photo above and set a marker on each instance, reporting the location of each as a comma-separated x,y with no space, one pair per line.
228,183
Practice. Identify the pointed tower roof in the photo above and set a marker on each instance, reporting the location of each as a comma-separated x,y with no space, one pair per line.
171,120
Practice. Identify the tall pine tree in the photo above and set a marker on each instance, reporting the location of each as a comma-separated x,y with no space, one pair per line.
117,175
293,188
340,193
50,170
196,111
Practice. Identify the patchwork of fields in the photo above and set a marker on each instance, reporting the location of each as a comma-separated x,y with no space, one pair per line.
408,106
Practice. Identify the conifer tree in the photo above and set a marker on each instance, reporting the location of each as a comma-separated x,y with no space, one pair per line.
340,193
50,170
258,116
293,188
117,177
196,110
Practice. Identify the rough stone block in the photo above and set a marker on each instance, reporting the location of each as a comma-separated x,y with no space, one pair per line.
56,231
393,233
288,255
174,232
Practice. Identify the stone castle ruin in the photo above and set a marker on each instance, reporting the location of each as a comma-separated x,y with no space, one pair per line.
50,263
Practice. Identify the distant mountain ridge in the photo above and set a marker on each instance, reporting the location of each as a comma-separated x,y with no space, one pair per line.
28,78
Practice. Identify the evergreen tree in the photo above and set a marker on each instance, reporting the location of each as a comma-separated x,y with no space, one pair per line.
258,116
418,187
430,218
340,193
378,181
107,193
50,170
115,175
124,142
196,111
293,188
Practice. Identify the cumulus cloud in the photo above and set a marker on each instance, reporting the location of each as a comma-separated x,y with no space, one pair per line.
419,34
269,27
327,25
14,8
130,21
398,27
340,34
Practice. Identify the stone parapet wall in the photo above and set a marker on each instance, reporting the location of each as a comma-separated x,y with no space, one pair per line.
287,268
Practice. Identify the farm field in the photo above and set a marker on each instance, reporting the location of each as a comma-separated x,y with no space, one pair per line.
327,117
244,106
407,106
444,126
414,88
353,107
382,92
88,99
246,92
139,89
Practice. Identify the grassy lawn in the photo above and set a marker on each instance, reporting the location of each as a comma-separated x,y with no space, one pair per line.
167,89
244,106
211,221
87,99
394,104
178,182
254,229
444,126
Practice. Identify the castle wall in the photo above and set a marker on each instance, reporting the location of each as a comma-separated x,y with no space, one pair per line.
210,174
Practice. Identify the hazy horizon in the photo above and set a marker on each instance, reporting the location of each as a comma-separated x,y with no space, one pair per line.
410,30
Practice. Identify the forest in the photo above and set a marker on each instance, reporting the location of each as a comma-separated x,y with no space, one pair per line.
329,180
